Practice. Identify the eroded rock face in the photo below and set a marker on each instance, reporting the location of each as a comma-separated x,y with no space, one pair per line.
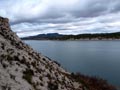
21,68
4,23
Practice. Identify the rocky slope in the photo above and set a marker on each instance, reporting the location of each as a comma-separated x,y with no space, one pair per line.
21,68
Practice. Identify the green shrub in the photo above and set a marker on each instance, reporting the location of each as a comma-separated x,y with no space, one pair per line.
41,84
52,86
16,58
9,58
4,65
27,75
3,46
33,64
12,76
41,78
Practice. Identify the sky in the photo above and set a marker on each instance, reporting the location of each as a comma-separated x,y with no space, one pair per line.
32,17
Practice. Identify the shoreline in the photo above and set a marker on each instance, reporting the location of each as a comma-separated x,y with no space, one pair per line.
75,40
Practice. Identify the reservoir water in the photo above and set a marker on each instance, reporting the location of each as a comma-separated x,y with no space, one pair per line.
94,58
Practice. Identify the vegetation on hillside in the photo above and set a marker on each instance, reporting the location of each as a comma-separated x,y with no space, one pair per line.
92,83
100,36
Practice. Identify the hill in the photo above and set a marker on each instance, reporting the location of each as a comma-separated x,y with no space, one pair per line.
48,36
56,36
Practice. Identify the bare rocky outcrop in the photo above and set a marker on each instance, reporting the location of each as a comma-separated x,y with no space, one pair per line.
21,68
4,23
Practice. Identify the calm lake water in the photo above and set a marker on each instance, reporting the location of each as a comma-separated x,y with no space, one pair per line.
96,58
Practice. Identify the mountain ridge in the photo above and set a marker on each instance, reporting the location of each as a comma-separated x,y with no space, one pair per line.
57,36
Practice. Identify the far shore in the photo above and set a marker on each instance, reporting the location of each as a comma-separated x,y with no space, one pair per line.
75,39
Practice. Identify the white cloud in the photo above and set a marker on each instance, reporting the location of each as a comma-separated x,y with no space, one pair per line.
31,17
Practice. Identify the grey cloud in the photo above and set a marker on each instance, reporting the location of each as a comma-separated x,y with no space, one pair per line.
97,7
70,17
53,12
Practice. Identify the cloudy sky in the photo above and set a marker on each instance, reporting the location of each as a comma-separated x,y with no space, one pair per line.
32,17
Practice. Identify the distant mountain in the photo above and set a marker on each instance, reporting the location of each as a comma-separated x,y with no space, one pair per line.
56,36
44,36
49,35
